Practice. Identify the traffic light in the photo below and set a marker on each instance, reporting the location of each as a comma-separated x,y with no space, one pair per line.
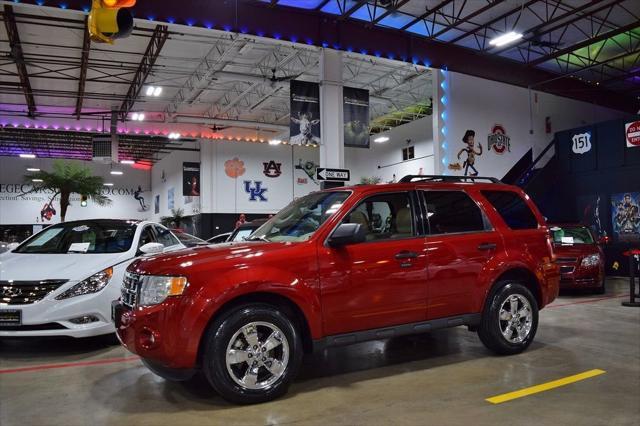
83,201
110,19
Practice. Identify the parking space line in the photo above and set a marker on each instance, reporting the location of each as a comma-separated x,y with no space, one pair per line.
617,296
69,365
498,399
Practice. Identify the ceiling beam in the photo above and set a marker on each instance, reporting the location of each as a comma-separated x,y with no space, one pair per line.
585,43
158,38
494,20
427,13
393,9
84,61
18,56
468,18
355,7
577,17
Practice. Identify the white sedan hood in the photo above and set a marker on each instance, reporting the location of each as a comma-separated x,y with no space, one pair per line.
70,266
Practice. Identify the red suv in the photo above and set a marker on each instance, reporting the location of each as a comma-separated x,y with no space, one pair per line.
338,267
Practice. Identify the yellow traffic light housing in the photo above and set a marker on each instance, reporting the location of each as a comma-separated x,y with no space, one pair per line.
110,19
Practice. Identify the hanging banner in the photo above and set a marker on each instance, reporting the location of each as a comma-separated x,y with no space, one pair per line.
190,179
356,117
304,127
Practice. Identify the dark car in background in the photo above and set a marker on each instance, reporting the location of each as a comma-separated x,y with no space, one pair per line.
580,257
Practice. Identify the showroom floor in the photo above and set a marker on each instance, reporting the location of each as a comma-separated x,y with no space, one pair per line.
439,378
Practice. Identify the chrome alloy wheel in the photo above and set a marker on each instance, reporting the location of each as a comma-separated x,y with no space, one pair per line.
257,355
516,318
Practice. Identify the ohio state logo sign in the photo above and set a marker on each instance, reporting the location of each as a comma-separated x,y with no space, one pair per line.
498,141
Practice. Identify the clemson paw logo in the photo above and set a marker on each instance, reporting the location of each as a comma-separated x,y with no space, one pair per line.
234,168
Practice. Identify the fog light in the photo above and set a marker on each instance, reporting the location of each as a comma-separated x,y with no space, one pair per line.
148,338
84,320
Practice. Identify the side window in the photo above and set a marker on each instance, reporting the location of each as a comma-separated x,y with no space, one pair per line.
451,212
384,216
146,236
514,211
165,237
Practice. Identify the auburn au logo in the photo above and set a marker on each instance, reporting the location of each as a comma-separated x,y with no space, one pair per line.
272,169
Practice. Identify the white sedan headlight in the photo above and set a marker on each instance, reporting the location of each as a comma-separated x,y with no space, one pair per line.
155,289
93,284
591,260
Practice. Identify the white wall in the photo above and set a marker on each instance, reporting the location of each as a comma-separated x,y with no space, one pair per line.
166,175
385,159
478,104
222,193
24,210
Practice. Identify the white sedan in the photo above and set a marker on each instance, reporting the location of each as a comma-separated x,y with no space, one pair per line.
61,281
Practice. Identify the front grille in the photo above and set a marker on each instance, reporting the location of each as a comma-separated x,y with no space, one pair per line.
26,292
567,259
37,327
130,289
566,269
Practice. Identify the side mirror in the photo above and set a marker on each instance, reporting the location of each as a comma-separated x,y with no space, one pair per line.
347,233
152,248
604,240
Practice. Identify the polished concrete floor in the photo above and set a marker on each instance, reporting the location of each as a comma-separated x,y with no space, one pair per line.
441,378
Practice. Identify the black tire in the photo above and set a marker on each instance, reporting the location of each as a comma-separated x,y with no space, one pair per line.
602,289
218,338
490,331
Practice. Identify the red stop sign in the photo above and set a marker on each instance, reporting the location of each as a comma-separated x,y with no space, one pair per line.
633,134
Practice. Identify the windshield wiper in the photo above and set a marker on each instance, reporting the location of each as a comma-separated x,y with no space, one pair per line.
258,237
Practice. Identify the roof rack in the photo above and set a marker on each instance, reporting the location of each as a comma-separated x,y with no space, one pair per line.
445,178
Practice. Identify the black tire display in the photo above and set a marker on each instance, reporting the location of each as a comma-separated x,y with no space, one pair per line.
252,354
509,319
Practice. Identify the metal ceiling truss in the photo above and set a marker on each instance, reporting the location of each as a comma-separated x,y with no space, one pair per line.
158,38
18,57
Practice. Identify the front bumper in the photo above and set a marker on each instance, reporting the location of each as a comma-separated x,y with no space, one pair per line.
154,334
582,278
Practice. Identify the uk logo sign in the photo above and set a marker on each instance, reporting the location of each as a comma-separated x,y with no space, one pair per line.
256,192
272,169
581,143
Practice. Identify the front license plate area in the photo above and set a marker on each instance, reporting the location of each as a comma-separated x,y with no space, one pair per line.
10,317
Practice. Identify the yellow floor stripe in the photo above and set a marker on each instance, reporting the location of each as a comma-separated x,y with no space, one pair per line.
498,399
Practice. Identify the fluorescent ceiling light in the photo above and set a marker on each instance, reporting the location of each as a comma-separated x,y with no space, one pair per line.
127,162
32,169
27,156
116,172
174,135
107,184
36,180
149,91
505,39
275,142
157,91
381,139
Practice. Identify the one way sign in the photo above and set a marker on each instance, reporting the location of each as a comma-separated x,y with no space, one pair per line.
335,175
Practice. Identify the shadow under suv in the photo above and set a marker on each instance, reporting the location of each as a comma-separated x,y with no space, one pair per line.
338,267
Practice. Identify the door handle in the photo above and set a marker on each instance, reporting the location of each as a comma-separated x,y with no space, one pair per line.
487,246
405,254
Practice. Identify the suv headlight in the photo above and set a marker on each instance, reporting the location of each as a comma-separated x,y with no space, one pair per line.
155,289
93,284
591,260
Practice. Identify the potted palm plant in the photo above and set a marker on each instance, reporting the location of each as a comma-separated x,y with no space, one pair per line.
176,220
65,179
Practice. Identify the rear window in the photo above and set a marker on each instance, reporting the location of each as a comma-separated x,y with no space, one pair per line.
513,209
451,212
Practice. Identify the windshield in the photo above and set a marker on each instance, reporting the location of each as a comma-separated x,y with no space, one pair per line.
572,235
300,219
82,237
